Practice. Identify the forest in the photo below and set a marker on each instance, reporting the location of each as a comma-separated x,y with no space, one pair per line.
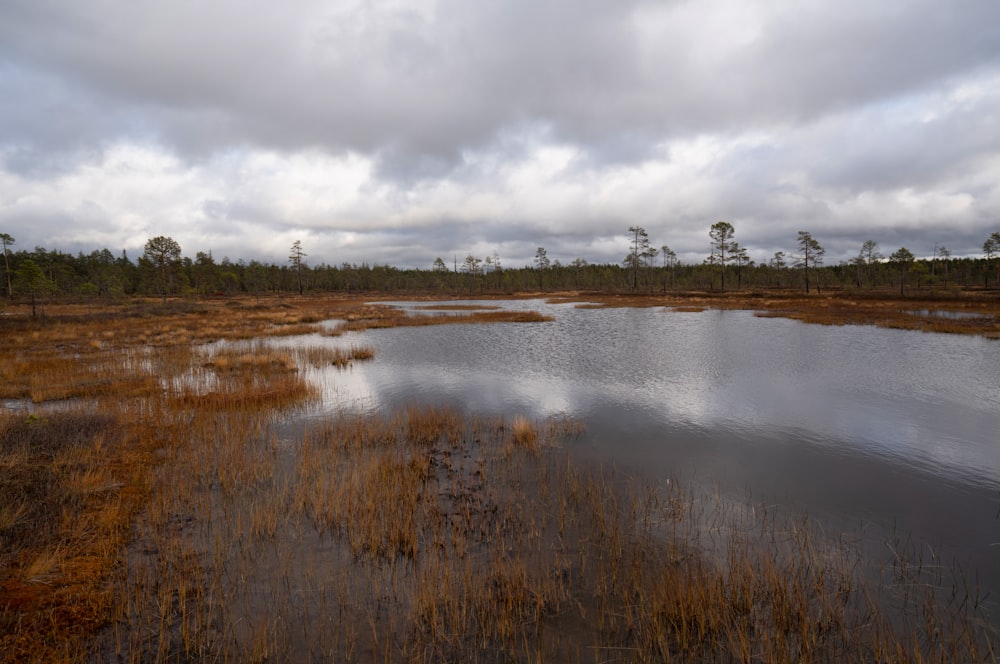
164,270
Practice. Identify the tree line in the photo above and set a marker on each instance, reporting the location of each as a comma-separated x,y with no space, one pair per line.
162,270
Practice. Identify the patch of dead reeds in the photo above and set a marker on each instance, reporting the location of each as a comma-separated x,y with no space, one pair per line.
421,534
397,318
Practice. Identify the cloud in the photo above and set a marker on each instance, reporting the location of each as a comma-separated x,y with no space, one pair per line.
399,131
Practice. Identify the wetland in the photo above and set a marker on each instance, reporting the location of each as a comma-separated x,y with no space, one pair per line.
527,479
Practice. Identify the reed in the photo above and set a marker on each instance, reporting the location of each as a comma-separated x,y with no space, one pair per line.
320,356
959,314
523,433
457,307
396,318
188,518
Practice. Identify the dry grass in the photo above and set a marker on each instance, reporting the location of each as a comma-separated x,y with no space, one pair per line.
952,314
383,317
524,434
320,356
178,514
69,495
76,468
457,307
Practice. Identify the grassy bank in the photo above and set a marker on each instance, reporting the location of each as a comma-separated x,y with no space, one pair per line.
159,502
962,313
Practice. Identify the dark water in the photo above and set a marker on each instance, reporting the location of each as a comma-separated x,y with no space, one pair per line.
891,433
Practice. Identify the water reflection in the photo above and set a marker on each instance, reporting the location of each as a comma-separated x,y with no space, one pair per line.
852,423
953,315
921,398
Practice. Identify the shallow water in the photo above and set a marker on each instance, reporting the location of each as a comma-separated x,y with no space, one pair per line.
889,433
953,315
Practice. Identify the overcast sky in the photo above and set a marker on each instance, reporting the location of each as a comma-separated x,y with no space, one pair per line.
396,131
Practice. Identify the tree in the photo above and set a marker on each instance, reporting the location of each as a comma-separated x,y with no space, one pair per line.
670,262
32,280
255,278
903,259
295,258
944,253
738,254
778,265
721,233
541,264
577,264
991,248
439,265
858,263
165,254
638,241
89,291
491,266
104,272
810,255
870,257
471,264
204,273
641,253
7,241
495,267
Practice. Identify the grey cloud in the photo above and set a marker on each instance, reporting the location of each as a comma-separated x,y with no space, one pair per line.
49,126
420,89
813,106
821,57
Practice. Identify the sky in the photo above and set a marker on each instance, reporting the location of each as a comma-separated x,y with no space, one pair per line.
397,131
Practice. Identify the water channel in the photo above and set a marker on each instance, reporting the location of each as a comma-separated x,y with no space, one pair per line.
888,433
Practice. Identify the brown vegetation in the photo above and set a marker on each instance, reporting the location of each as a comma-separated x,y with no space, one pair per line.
148,486
99,400
954,314
380,316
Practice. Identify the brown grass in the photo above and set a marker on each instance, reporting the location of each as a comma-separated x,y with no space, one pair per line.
387,317
978,314
74,477
69,494
457,307
168,506
524,434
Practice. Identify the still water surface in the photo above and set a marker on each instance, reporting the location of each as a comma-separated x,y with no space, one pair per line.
888,432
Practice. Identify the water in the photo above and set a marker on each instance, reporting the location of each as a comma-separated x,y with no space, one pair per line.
892,433
953,315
